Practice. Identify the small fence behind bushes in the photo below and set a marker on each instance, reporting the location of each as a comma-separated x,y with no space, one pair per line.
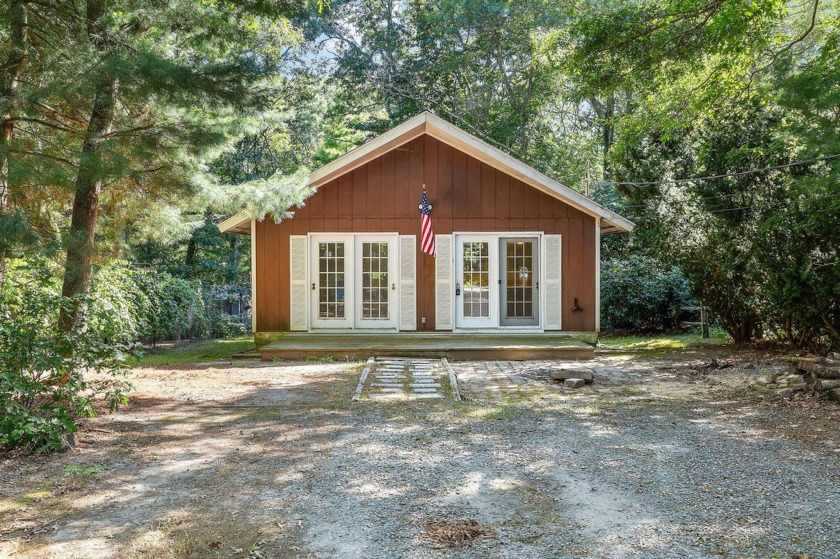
229,309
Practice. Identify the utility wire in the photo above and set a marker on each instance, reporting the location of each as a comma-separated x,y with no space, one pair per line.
723,175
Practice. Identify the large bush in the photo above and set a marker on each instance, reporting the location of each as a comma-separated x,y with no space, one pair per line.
174,310
150,305
48,377
639,293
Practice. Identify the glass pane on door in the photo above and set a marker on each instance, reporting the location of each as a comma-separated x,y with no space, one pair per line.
375,281
476,290
331,280
519,279
519,301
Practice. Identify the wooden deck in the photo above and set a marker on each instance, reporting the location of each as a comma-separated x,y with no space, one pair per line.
460,346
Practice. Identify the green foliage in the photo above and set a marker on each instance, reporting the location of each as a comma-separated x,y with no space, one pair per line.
490,67
727,88
147,305
673,341
175,307
759,248
640,294
51,377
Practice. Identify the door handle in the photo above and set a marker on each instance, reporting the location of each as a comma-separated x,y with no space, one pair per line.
313,287
393,286
457,289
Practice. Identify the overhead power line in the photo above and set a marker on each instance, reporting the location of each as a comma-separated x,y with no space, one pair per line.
723,175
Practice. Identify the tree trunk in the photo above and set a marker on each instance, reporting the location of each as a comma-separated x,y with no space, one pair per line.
234,257
10,75
79,244
189,258
608,132
77,266
604,113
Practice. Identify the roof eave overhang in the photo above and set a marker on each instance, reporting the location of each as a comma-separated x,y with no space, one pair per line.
239,224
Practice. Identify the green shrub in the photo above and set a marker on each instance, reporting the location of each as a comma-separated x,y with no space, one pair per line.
50,378
176,308
640,294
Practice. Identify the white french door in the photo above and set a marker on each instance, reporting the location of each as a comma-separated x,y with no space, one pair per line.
476,281
353,281
331,276
497,279
376,281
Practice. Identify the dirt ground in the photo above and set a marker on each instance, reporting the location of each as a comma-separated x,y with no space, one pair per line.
660,457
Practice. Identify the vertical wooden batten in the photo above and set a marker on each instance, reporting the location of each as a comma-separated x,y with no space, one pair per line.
598,275
253,276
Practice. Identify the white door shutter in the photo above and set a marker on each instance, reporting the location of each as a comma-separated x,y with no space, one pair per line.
553,278
298,265
444,288
408,282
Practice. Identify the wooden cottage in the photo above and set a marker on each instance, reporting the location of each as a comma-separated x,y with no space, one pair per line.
516,263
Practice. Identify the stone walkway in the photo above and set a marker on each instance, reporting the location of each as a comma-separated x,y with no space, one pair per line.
510,382
500,380
396,378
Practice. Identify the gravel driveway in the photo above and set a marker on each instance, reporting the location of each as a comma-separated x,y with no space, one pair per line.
658,458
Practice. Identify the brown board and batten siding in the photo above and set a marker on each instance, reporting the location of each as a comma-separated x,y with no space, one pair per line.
467,196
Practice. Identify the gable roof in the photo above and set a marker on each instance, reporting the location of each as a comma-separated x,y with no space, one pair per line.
431,124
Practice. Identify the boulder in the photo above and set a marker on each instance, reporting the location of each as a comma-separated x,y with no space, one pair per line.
580,373
574,382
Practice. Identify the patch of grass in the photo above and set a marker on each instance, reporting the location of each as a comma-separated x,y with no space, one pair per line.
197,352
591,409
666,342
322,359
83,471
499,412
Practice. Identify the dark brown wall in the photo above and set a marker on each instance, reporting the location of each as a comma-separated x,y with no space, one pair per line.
466,195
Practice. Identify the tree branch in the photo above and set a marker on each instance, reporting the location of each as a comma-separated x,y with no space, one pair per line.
42,123
47,155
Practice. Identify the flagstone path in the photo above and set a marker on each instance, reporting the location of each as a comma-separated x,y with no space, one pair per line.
404,378
499,380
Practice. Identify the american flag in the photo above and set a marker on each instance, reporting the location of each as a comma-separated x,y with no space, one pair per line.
427,237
